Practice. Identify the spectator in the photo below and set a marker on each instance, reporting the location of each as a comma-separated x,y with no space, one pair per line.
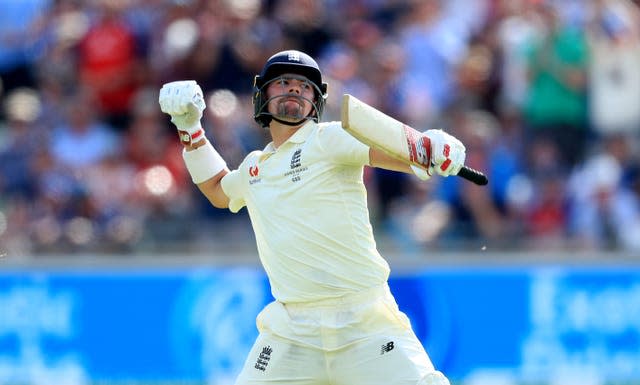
614,78
82,140
17,21
22,139
603,212
108,63
556,102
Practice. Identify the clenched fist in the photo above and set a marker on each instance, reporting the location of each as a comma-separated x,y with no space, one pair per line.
183,100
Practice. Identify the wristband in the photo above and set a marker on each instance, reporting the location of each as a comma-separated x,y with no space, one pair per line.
203,163
189,139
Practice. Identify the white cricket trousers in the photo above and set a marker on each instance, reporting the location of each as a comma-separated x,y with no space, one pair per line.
359,339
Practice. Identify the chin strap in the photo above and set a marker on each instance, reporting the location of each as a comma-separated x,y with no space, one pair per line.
266,119
290,123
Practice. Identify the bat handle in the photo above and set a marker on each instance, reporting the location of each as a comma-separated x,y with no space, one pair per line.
472,175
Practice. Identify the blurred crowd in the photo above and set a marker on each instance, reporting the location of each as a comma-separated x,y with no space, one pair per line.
544,94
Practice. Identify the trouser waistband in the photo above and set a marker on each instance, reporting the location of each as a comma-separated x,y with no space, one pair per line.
367,295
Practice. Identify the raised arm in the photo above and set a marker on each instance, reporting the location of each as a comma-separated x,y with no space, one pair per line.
210,187
184,102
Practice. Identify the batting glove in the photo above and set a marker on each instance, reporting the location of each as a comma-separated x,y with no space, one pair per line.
421,173
183,100
447,152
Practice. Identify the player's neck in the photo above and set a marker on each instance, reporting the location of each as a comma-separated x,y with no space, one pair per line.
280,133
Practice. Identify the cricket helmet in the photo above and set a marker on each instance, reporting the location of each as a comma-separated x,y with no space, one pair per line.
288,62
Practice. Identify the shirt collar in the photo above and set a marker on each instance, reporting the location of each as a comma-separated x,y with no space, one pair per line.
303,132
300,136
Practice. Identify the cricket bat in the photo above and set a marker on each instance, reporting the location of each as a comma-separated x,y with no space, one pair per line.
378,130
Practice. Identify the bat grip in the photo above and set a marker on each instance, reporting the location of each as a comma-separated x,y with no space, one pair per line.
472,175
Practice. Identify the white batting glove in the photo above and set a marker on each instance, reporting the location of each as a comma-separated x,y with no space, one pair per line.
447,152
183,100
421,173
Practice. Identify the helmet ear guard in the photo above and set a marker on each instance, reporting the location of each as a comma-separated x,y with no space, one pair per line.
294,62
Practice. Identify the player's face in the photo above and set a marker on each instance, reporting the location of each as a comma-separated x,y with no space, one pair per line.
291,97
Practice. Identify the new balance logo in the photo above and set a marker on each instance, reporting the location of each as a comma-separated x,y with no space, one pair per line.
295,159
386,348
263,358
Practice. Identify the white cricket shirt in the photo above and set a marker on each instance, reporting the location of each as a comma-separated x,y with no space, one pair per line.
308,207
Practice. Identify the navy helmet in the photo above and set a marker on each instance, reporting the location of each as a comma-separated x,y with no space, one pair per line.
288,62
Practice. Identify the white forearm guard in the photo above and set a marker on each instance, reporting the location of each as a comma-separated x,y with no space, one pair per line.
203,163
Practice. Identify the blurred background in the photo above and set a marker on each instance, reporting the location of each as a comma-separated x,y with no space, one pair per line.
114,268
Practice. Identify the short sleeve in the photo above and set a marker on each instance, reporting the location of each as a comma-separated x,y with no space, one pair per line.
340,146
233,187
236,183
